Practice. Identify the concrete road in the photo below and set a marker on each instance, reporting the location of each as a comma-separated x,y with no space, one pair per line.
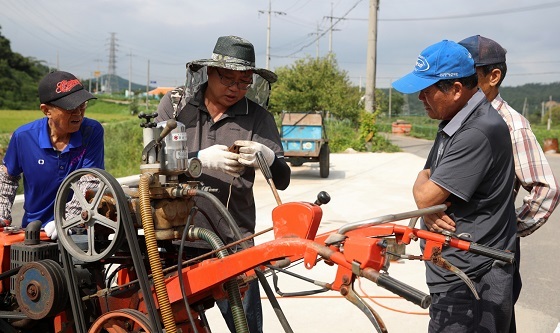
367,185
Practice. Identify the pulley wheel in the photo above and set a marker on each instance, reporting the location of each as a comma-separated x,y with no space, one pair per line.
122,321
101,215
41,289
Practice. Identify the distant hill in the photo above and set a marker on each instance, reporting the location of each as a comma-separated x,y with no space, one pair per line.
118,84
535,93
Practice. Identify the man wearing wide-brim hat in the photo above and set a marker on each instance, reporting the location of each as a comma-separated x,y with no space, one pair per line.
218,115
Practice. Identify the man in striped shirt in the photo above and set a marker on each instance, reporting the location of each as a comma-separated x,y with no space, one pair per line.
531,167
532,170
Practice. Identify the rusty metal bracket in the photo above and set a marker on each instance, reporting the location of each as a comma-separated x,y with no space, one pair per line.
439,261
349,293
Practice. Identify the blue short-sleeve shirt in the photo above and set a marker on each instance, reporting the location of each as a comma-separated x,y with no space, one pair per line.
30,152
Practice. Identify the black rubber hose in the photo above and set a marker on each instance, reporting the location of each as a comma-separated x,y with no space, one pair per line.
180,268
231,286
225,213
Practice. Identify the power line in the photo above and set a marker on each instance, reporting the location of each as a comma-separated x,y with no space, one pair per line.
322,34
270,12
494,13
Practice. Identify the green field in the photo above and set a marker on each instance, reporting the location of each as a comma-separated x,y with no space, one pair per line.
104,112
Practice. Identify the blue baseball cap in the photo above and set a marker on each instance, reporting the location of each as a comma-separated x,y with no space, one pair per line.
441,61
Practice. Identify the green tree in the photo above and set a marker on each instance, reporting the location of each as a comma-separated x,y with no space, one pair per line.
19,78
315,84
382,102
554,115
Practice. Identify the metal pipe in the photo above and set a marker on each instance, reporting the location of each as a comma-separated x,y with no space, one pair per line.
390,218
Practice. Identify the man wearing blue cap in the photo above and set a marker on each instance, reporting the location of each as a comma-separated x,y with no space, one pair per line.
470,167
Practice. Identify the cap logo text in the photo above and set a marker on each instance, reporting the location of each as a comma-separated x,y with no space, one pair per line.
65,85
422,64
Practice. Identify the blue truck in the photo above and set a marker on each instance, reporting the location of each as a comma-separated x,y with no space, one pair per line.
304,139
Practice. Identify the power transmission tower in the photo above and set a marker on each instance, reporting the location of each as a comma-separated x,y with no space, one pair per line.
112,70
270,12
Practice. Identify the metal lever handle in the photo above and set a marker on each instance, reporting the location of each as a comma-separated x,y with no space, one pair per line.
169,126
267,175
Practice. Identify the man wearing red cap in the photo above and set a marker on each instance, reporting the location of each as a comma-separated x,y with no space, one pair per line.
47,150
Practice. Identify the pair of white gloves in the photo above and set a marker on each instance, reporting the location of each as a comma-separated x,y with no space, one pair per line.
217,157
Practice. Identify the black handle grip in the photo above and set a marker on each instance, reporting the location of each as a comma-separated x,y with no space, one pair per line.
484,250
409,293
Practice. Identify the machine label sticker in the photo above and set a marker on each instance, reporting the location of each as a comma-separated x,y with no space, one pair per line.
181,154
181,136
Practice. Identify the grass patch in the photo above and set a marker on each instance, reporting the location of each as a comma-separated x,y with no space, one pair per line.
102,111
123,148
10,120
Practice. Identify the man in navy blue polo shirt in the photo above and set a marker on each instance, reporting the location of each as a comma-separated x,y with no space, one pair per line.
47,150
470,167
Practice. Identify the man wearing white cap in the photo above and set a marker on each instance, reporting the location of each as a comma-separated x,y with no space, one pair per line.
470,167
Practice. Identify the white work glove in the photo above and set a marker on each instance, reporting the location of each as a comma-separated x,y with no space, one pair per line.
217,157
248,150
50,229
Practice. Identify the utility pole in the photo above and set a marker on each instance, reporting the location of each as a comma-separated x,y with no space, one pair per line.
148,85
331,27
371,56
549,113
318,34
130,76
390,97
97,75
270,12
330,31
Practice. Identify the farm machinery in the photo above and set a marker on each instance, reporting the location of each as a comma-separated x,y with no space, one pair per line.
125,270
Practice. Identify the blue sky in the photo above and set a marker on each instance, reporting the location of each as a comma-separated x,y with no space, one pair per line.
75,35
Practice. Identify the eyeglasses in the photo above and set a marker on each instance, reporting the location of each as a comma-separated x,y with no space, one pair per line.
243,85
81,108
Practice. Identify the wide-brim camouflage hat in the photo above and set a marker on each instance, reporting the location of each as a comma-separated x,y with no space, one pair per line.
235,53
